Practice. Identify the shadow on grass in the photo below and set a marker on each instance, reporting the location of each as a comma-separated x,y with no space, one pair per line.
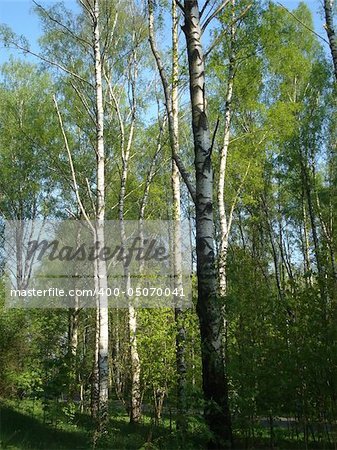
20,431
148,436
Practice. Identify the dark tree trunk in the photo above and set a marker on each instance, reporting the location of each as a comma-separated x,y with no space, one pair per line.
209,306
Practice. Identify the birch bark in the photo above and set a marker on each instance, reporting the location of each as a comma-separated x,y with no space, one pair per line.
330,30
176,216
208,306
103,361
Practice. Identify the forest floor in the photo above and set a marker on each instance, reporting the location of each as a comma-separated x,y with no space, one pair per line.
24,425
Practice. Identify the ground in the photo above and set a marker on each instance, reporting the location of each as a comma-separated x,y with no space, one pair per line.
25,425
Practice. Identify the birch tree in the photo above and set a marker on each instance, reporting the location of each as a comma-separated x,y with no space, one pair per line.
172,111
176,216
225,223
91,10
329,6
208,305
126,144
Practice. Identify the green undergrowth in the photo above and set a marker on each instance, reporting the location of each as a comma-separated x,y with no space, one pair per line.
26,424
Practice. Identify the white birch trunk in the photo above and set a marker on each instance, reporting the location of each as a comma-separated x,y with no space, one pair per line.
224,223
330,30
135,394
103,360
179,315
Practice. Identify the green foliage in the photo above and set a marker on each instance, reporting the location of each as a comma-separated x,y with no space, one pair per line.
27,141
281,269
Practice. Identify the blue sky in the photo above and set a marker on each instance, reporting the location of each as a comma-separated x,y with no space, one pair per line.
19,16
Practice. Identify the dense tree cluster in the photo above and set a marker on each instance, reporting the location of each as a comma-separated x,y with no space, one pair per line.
222,114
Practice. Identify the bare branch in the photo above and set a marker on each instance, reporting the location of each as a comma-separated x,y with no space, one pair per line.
72,168
83,101
116,104
236,198
89,10
90,194
218,38
203,9
214,14
68,30
214,133
151,171
74,216
302,23
168,103
110,35
52,63
180,6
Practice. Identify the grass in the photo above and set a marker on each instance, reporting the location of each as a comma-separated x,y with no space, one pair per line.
20,431
23,425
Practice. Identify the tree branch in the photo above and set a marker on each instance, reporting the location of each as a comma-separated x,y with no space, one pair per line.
214,14
72,168
204,8
168,103
48,61
83,101
214,133
219,37
89,10
302,23
180,6
68,30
